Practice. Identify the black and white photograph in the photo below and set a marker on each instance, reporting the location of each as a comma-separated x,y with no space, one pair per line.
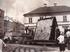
34,25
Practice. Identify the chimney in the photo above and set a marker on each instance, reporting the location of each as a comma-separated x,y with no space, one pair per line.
55,4
45,5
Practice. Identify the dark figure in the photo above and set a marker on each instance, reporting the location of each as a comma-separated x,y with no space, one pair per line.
6,40
25,36
31,34
57,32
27,30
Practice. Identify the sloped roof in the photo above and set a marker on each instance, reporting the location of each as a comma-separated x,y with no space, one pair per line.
48,10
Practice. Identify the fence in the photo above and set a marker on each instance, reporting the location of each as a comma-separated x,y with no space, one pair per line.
28,48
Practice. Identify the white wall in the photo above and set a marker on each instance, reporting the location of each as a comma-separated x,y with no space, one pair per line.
58,18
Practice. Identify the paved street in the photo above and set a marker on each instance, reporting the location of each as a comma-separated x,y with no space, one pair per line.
56,50
67,50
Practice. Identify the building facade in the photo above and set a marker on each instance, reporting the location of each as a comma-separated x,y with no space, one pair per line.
1,22
10,26
62,14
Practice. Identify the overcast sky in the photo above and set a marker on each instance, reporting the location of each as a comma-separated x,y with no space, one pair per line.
16,8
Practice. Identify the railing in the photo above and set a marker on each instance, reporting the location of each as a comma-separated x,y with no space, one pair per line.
28,48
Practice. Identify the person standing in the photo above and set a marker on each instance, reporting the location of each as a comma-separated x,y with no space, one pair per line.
61,39
68,39
2,44
57,32
8,37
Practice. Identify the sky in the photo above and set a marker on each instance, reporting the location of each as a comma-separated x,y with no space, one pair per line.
16,8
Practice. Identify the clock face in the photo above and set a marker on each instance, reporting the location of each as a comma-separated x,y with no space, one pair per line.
43,29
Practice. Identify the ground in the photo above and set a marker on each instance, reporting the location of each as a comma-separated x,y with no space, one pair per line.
31,48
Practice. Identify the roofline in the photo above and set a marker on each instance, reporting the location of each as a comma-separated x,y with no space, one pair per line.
46,14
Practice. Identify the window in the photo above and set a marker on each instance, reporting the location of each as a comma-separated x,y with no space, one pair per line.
41,17
64,18
30,20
